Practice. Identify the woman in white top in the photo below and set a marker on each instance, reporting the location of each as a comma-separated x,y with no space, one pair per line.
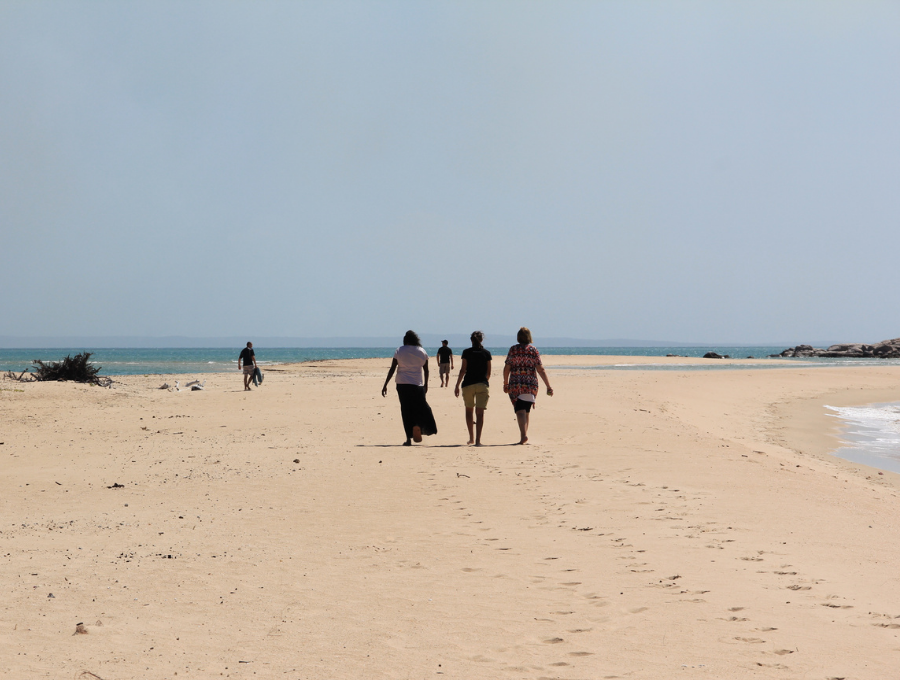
411,365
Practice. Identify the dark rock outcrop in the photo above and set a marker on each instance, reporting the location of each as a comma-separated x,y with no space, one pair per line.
712,355
886,349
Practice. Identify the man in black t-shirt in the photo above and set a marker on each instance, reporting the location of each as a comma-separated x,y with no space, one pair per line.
248,359
445,363
474,374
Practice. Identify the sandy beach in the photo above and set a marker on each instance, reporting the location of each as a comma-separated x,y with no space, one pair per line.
660,524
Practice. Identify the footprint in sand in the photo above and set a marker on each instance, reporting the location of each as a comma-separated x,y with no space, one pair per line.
554,641
580,653
782,652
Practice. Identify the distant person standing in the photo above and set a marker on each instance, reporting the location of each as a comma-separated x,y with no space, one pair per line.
474,373
248,359
445,363
411,364
523,365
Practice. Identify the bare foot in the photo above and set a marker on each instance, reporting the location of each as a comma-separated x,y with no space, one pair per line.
469,443
524,440
478,444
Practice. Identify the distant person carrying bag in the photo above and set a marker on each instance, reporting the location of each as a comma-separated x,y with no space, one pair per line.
248,359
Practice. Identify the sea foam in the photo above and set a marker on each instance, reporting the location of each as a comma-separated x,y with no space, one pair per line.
871,434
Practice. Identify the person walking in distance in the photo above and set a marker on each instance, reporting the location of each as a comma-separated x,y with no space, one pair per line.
474,373
248,359
445,363
523,365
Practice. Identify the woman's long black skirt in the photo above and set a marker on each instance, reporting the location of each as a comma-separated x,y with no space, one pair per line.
415,410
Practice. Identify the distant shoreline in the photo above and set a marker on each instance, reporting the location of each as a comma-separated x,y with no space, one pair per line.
180,361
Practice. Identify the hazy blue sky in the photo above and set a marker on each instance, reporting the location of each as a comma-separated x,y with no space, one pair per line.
690,171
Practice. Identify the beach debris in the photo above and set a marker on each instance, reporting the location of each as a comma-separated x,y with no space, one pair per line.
196,385
80,629
458,474
51,596
20,378
76,369
88,674
165,386
297,460
116,485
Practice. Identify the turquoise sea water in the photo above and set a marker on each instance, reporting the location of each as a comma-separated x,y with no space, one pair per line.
185,361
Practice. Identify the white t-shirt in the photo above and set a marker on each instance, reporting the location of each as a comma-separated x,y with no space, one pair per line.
410,359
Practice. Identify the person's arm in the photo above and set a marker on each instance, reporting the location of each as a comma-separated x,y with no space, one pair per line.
451,359
487,373
462,372
543,374
506,372
425,368
389,376
253,356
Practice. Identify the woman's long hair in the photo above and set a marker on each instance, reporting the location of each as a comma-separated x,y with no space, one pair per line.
477,338
523,337
411,339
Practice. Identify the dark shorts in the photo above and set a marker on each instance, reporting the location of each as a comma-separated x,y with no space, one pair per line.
522,405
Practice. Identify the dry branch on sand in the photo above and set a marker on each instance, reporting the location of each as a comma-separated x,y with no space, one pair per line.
77,369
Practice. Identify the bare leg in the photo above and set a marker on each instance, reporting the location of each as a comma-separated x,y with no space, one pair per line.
479,425
247,381
522,418
470,424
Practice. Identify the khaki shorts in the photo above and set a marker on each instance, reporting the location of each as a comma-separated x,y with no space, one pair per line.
248,369
476,396
444,369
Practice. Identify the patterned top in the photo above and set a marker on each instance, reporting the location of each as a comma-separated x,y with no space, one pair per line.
522,361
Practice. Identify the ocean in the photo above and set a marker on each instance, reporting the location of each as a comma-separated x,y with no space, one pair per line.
871,434
192,361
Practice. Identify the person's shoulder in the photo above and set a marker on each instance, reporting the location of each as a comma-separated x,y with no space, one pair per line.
487,353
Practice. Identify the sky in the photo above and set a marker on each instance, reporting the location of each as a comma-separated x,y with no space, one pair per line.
678,171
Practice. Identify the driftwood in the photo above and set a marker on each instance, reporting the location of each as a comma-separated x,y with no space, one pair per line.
77,369
20,378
